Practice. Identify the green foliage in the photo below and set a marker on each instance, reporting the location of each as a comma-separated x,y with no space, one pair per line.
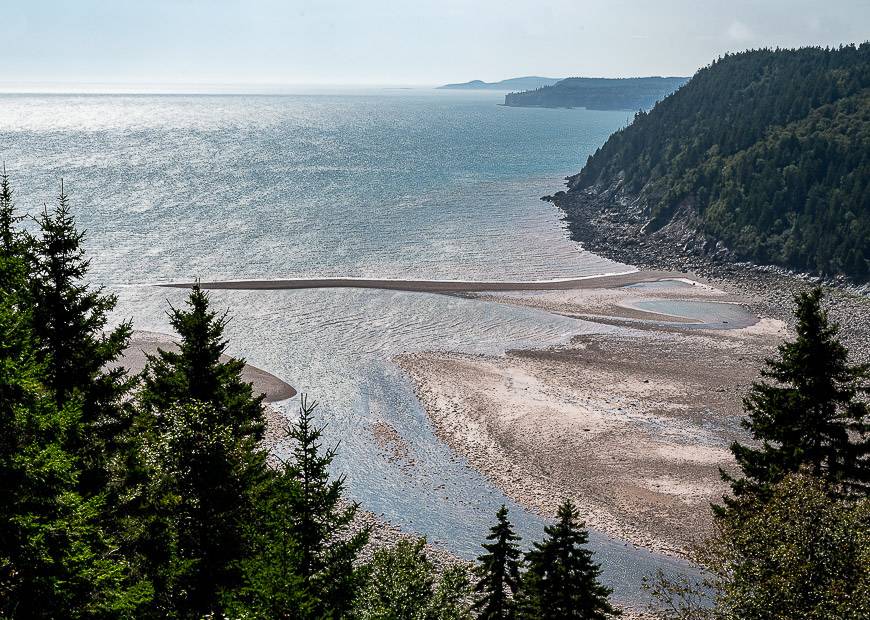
498,570
57,559
15,263
808,411
200,480
203,465
795,554
599,93
400,585
197,371
14,246
158,503
9,237
561,580
321,520
452,597
798,555
69,319
272,584
304,549
769,149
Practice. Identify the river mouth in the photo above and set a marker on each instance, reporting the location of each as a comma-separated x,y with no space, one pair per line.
173,188
336,346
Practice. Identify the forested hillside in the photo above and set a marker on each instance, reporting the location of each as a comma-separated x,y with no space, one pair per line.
598,93
766,151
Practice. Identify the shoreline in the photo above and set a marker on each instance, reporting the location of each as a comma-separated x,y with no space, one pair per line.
661,472
611,224
143,343
667,426
625,421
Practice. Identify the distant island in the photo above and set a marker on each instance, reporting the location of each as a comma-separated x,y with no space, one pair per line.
598,93
528,82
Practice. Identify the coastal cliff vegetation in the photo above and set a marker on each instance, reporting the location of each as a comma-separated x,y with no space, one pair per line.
598,93
765,152
154,496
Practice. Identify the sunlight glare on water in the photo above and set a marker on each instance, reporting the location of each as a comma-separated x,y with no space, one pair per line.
379,184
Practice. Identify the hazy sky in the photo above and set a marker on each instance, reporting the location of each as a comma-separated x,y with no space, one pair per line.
398,41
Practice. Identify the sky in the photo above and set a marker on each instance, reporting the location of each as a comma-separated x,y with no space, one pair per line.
318,42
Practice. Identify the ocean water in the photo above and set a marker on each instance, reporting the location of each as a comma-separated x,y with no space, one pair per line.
386,183
381,184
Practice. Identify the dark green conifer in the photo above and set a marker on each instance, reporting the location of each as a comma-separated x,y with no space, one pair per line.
273,586
561,580
499,571
69,319
15,249
322,520
201,480
57,560
197,373
779,176
10,237
204,462
810,414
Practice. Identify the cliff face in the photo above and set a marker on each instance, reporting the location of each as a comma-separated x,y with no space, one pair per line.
599,93
763,156
615,223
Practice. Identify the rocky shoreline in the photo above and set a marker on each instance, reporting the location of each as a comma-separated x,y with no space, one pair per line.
611,223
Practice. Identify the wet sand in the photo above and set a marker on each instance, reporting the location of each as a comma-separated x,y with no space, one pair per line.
601,419
632,424
439,286
143,343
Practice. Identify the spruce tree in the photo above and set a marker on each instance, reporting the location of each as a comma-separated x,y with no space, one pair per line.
197,372
11,239
322,520
273,586
499,571
57,559
15,250
69,319
200,489
807,412
561,580
205,489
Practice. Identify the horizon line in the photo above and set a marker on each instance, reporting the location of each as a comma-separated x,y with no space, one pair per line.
95,87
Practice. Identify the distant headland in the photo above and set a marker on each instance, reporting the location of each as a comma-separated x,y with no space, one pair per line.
598,93
528,82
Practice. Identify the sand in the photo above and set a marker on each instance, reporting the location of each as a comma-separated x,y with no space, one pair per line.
632,425
142,343
438,286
